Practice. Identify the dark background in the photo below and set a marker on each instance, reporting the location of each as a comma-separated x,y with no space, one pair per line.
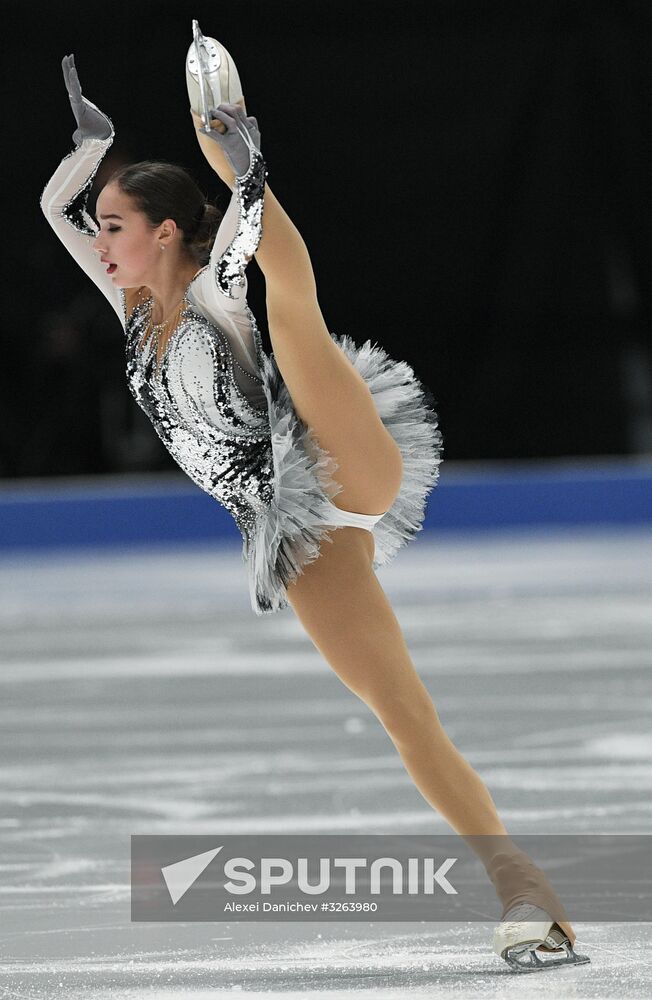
472,180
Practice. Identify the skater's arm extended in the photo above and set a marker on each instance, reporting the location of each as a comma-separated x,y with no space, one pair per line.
63,203
65,196
221,298
282,254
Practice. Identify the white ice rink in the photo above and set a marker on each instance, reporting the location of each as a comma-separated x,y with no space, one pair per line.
139,694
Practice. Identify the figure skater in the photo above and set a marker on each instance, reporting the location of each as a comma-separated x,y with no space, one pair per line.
324,452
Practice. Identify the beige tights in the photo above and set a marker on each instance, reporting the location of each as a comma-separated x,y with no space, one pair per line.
347,615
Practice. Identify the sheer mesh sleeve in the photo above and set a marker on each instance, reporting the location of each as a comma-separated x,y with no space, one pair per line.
221,289
64,201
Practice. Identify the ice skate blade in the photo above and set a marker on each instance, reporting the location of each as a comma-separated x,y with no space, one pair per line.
211,75
524,958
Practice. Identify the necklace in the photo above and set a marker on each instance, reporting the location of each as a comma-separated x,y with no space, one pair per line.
158,330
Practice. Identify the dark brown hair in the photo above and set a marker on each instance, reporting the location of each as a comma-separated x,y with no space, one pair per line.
164,190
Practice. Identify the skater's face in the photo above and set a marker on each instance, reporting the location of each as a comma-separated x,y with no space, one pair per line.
126,243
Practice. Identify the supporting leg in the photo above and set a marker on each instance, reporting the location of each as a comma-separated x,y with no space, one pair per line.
345,612
349,619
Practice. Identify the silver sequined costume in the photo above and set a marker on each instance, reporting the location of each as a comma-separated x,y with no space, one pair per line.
223,411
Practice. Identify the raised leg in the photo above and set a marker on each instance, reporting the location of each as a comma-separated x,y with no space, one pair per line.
329,395
327,392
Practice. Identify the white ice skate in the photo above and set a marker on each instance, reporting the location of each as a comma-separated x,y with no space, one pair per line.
521,935
211,75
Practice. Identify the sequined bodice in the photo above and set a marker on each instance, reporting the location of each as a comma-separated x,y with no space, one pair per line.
201,415
220,404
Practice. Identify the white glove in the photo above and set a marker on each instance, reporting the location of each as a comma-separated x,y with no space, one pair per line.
91,123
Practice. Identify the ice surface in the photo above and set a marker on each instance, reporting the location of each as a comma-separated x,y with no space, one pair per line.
139,694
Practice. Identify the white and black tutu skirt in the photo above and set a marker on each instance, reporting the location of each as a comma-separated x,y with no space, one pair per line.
288,533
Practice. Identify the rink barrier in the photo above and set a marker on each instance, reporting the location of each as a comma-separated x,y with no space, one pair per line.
168,508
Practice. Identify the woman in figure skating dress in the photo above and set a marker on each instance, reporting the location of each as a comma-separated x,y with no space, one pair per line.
324,452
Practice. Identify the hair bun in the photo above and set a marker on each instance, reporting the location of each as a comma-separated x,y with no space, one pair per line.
209,218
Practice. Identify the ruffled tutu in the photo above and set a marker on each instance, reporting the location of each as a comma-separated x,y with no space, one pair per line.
288,534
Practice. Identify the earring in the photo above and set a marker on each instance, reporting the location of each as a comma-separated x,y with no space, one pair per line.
162,246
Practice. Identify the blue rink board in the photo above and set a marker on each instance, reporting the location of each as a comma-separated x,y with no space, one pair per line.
109,511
